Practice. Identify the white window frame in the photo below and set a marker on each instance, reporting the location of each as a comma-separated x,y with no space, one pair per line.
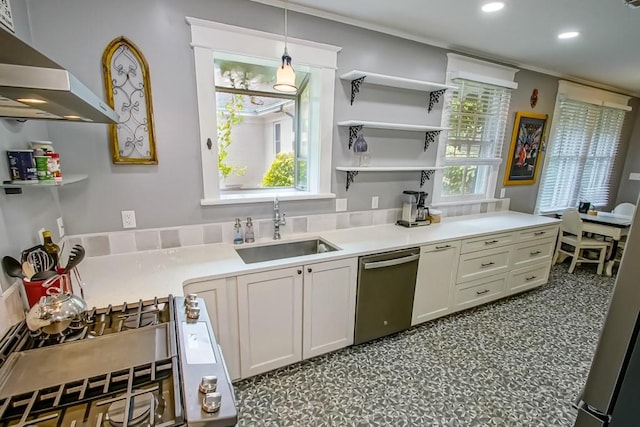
586,94
463,67
209,37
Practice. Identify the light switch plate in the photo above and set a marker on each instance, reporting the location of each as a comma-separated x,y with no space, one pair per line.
128,219
634,176
341,205
502,193
374,202
40,238
60,227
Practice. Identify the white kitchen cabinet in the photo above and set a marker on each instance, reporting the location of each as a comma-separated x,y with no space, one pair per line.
273,330
270,320
527,278
476,265
329,306
479,291
533,252
221,301
435,281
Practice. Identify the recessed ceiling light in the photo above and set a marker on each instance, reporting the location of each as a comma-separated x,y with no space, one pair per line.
494,6
32,100
568,35
72,117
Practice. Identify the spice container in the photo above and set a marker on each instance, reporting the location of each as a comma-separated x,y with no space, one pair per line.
22,167
53,166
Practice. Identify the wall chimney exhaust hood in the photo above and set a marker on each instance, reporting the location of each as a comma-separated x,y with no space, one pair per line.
32,86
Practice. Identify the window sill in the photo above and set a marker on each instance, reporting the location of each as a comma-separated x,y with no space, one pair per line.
262,196
465,202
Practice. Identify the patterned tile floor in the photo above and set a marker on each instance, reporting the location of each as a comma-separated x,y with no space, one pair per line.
516,362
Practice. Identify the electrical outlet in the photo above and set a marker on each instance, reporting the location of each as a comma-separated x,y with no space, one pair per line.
60,227
40,238
341,205
128,219
374,202
502,193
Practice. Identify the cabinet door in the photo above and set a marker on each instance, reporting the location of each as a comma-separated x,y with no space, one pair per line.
329,306
435,282
221,301
270,319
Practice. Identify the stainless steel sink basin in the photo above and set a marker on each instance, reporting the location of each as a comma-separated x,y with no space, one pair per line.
282,250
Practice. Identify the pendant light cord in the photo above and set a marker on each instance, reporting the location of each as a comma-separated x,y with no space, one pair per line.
285,26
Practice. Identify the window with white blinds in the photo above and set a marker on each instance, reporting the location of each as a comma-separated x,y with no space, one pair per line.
477,115
581,155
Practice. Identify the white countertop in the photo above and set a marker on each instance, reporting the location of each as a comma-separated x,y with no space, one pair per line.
128,277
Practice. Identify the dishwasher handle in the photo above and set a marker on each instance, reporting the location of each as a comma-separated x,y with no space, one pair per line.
390,262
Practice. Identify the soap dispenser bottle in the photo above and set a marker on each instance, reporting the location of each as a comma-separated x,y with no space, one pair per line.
238,239
249,237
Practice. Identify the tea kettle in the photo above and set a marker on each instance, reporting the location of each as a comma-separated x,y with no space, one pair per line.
54,313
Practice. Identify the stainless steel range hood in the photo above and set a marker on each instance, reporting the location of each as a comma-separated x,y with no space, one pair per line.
32,86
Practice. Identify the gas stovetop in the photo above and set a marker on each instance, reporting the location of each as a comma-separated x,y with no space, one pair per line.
137,359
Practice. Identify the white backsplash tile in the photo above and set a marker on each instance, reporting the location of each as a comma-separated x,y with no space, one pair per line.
122,242
147,240
342,221
97,245
169,238
316,223
361,219
300,224
212,233
191,235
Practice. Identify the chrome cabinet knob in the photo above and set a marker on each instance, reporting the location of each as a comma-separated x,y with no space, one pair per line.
193,311
208,384
211,402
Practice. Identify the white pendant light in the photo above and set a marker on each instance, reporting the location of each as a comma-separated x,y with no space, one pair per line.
286,75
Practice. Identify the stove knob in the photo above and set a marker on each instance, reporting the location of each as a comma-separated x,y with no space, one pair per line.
208,384
193,312
211,402
190,298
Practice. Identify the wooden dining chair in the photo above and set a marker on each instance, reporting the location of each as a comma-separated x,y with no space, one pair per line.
571,235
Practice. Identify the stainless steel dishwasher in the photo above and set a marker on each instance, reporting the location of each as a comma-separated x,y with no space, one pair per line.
386,284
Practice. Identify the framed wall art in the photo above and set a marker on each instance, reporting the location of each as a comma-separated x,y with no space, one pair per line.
128,89
525,150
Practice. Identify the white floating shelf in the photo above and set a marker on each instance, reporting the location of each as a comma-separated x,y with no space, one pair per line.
387,168
66,180
392,126
352,171
392,81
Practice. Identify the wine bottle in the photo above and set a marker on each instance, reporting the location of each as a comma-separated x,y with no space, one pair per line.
51,248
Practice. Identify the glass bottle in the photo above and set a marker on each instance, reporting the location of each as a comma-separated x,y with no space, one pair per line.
51,248
238,238
362,149
249,236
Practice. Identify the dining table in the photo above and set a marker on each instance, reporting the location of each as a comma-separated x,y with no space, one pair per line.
609,225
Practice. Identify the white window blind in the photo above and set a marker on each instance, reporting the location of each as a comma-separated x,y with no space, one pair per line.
580,156
477,115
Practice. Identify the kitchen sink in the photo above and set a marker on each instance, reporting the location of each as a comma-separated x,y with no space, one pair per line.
275,251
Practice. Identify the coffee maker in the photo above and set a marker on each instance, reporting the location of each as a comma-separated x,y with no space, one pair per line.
414,212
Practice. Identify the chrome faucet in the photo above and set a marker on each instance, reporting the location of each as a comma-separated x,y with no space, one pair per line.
278,219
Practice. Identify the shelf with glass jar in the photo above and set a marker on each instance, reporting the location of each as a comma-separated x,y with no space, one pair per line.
352,171
356,127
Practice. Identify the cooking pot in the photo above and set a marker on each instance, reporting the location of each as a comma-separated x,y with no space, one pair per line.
54,313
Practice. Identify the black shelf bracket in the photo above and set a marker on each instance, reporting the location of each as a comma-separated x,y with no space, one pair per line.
434,98
353,133
350,178
425,175
430,137
355,87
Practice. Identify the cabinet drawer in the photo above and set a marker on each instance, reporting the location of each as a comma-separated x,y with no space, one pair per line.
538,233
528,278
533,252
479,291
487,242
476,265
440,246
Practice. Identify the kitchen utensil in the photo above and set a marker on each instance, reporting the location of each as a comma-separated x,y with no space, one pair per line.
76,254
54,313
39,258
12,267
80,282
42,275
28,270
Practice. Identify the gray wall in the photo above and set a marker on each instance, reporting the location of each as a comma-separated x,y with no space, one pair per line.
628,190
21,216
75,33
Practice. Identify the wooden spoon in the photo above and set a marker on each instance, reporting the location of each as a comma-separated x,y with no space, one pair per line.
28,270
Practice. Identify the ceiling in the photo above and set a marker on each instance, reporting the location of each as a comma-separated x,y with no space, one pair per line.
524,33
